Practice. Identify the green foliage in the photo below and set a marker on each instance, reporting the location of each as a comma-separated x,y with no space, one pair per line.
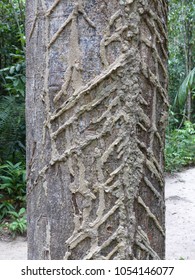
173,120
12,81
181,49
180,141
12,14
187,85
18,223
12,128
5,207
180,147
12,188
12,111
13,77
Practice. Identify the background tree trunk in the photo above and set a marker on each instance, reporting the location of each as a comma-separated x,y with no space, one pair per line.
96,108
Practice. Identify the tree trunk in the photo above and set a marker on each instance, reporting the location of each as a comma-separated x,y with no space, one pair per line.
96,109
188,34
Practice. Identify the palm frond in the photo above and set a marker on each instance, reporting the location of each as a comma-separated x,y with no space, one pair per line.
187,86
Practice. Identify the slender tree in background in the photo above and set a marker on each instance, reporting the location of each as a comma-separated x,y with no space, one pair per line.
181,63
188,50
96,109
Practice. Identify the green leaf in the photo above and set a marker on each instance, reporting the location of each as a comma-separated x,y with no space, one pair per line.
12,69
22,211
6,179
187,85
18,67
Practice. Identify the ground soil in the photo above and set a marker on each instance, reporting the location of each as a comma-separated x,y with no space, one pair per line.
180,222
180,215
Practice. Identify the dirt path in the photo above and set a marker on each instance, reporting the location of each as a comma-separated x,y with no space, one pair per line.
180,221
15,250
180,216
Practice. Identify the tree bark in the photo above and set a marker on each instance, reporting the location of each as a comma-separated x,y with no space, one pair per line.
96,109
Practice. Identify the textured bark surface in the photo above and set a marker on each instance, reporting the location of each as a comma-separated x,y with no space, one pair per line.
96,109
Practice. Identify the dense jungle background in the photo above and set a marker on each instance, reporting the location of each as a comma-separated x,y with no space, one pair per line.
180,134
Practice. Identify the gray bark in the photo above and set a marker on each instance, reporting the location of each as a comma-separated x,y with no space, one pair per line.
96,109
